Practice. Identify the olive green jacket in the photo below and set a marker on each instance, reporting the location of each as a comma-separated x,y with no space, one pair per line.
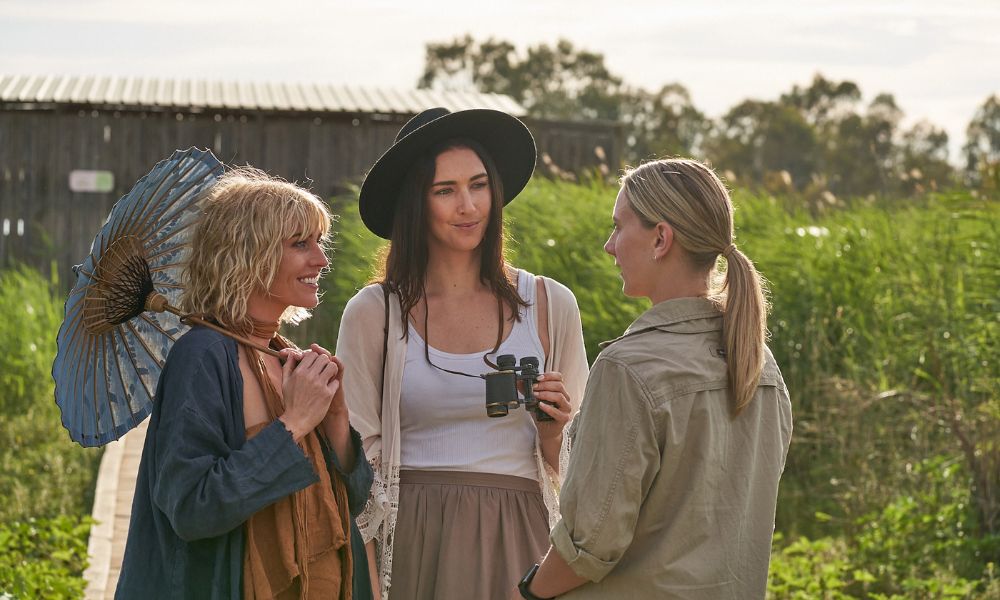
667,494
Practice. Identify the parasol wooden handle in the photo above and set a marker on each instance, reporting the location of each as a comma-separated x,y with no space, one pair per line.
158,302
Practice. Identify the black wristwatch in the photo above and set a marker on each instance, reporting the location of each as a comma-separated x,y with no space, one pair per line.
522,585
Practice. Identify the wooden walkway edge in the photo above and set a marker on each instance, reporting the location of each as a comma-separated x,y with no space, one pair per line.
112,510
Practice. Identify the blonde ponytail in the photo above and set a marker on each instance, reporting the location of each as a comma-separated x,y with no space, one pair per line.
693,200
744,327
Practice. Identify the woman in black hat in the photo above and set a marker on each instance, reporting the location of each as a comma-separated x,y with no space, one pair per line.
462,503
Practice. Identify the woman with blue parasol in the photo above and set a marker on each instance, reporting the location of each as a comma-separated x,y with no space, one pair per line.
250,472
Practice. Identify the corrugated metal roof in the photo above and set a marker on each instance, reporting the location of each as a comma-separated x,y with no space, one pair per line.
146,92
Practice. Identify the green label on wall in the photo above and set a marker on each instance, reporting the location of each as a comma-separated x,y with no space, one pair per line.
91,181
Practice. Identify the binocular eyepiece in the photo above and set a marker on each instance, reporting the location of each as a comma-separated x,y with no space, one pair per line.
501,387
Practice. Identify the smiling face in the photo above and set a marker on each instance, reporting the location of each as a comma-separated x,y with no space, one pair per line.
633,245
458,201
296,282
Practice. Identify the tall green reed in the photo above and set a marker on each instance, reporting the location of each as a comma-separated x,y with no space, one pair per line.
42,473
884,323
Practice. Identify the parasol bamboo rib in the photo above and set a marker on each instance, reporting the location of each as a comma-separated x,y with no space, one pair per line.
121,378
107,385
137,225
135,360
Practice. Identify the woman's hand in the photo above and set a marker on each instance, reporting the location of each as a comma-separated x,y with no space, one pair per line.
309,383
338,407
550,390
336,424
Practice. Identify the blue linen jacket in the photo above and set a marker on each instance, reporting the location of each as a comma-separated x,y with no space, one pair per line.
200,479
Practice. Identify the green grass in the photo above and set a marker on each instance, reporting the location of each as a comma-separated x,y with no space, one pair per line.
47,481
43,473
885,323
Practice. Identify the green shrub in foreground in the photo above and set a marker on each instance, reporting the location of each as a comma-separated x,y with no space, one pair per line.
923,543
43,558
918,546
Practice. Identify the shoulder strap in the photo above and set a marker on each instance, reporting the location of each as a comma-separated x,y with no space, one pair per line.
385,337
546,316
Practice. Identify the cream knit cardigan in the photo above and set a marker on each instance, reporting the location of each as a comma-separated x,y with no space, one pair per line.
376,417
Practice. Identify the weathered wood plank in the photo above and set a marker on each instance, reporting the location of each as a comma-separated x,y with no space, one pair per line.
39,148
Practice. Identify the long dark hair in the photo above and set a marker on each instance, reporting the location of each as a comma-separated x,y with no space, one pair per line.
405,265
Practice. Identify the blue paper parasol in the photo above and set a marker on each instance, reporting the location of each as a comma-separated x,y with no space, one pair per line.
120,322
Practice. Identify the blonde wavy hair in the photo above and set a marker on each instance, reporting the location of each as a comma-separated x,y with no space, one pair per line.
693,200
237,245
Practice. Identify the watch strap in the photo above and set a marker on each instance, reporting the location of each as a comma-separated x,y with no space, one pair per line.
525,582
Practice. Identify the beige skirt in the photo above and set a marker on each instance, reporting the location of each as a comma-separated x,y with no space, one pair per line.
463,535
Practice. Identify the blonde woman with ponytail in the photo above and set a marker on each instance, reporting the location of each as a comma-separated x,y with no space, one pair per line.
685,425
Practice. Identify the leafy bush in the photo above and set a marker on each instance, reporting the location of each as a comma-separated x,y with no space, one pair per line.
43,558
924,544
918,546
806,569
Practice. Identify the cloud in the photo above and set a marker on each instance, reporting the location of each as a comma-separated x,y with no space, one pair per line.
934,57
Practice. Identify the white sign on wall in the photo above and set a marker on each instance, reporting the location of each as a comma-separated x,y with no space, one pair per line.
82,180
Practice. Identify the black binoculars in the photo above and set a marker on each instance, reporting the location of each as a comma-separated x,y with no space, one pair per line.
501,387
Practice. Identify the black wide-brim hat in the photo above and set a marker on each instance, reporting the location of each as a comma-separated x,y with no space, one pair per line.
504,136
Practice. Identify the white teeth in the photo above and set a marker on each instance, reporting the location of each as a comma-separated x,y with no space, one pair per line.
312,280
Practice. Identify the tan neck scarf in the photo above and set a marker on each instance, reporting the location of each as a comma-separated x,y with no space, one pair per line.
298,547
265,329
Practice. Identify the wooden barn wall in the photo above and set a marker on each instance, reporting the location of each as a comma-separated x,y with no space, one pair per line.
38,149
566,148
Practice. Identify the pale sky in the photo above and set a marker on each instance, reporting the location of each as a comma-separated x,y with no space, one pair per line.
940,59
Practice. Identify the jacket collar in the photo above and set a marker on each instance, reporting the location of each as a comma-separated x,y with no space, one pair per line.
680,315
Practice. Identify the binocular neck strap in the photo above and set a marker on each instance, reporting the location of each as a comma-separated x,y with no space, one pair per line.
496,347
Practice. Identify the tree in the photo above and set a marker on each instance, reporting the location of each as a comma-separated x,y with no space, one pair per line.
755,139
925,158
881,125
849,159
559,82
462,63
566,82
665,123
824,101
816,139
861,152
982,148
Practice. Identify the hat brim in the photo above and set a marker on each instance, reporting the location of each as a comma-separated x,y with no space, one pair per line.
505,137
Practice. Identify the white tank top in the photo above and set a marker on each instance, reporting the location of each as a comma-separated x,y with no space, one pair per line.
442,417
